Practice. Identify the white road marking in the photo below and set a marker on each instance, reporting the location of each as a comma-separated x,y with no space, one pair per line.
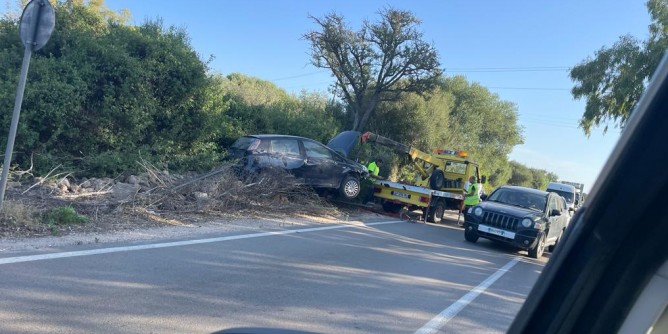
50,256
439,321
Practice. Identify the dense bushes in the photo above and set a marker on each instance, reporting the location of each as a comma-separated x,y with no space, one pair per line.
103,94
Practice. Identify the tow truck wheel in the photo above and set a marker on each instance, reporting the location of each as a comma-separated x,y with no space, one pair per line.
436,212
437,180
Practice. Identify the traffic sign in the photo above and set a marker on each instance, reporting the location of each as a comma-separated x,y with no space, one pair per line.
35,28
37,23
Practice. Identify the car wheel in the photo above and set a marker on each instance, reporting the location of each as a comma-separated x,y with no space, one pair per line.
470,235
350,187
553,247
436,212
436,180
391,207
537,251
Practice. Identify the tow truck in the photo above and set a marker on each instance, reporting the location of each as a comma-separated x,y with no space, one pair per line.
438,185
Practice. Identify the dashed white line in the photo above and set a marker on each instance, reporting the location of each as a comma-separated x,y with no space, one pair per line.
51,256
439,321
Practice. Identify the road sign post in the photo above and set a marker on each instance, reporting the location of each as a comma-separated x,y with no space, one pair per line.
35,28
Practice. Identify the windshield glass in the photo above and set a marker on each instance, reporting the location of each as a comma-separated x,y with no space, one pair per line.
519,198
569,196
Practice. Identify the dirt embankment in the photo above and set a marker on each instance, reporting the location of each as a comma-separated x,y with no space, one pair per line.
64,206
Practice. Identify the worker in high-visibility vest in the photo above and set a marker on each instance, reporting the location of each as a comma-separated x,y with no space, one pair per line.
472,196
374,169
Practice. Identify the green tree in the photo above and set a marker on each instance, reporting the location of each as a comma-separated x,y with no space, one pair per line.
253,106
524,176
103,88
521,175
613,80
483,124
376,63
455,115
552,177
539,178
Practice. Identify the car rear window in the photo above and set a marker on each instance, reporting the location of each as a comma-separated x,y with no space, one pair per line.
569,196
285,146
244,143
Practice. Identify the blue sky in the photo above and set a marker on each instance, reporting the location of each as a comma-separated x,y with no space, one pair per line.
490,42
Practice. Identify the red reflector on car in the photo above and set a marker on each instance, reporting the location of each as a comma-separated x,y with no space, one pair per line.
424,199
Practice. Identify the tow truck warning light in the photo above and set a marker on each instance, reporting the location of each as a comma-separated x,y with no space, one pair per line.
461,154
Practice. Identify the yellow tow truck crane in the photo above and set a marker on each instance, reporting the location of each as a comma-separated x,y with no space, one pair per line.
438,186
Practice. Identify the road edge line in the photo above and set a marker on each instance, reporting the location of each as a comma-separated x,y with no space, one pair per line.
97,251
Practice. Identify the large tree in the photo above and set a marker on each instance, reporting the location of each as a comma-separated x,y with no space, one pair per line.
614,79
376,63
483,124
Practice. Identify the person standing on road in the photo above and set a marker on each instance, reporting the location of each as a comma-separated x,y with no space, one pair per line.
472,196
374,169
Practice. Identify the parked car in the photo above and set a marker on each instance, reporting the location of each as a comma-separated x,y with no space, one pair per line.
567,191
526,218
311,162
565,209
610,271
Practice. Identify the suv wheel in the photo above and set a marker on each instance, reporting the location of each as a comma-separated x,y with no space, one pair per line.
350,187
553,247
537,251
470,235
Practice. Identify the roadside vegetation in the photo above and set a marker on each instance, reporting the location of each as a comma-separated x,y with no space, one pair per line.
108,100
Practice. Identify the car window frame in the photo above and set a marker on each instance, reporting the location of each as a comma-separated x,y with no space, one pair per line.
323,147
271,147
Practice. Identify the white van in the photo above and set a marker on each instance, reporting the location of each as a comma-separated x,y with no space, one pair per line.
566,191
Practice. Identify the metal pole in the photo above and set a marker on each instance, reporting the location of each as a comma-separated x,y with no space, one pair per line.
15,121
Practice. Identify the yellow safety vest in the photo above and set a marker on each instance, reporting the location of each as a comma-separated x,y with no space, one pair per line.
373,168
473,199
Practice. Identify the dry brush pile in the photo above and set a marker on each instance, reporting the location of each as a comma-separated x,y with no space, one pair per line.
154,194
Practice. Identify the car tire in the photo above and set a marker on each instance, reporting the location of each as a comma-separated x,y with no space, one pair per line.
350,187
391,207
436,212
537,251
470,235
437,180
553,247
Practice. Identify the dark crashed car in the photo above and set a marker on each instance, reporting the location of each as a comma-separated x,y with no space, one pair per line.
311,162
525,218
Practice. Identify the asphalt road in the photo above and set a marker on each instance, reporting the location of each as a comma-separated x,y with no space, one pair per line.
374,278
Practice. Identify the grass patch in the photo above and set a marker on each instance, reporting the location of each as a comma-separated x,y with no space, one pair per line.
64,215
18,214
